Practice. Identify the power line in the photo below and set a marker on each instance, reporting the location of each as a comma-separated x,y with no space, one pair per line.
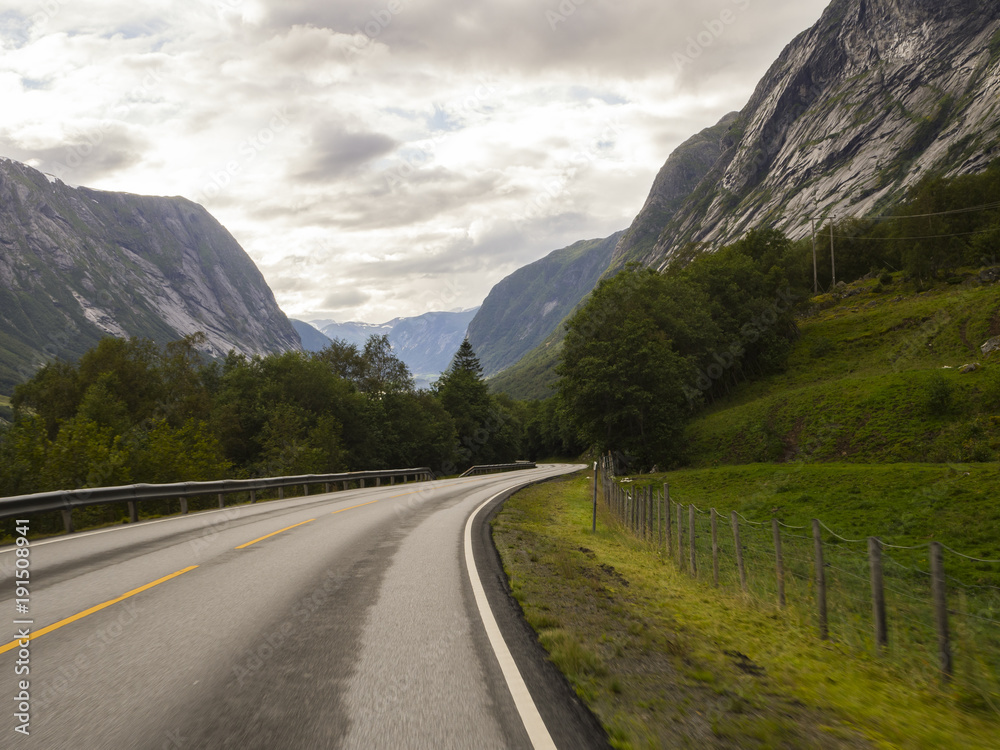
969,209
926,237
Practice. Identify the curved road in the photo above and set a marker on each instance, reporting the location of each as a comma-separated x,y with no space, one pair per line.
343,620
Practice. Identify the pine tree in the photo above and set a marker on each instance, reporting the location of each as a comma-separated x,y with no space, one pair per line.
465,360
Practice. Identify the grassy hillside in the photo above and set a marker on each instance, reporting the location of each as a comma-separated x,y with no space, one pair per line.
875,377
534,374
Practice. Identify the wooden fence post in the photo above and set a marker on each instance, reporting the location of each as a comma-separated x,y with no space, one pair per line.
878,592
666,512
593,521
691,528
659,524
680,538
940,594
649,514
779,563
824,633
739,551
715,548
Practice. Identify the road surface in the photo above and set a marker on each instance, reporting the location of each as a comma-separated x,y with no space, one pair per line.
346,620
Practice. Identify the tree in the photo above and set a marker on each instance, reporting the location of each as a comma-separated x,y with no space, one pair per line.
628,356
487,429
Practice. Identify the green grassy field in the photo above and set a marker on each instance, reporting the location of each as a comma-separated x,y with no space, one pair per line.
667,661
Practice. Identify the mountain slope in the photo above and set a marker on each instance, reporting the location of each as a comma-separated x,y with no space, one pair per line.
312,339
676,180
523,309
855,111
77,264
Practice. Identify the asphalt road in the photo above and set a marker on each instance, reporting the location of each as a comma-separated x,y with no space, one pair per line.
343,620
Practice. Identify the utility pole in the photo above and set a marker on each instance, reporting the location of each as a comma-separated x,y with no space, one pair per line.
815,274
833,262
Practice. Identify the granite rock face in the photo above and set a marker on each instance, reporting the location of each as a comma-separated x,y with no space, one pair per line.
77,264
856,110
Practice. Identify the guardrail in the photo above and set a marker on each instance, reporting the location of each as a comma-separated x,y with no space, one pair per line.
66,500
491,468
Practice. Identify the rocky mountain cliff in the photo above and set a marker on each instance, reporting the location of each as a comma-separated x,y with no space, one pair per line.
77,264
878,94
525,307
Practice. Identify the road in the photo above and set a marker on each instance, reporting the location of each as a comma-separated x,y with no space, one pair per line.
346,620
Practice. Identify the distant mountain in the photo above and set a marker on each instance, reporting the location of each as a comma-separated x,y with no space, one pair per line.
523,309
854,112
78,264
312,339
426,343
352,332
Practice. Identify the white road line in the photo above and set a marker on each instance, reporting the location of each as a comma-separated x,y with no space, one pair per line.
532,720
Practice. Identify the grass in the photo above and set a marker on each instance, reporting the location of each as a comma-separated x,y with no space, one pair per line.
666,661
874,378
902,504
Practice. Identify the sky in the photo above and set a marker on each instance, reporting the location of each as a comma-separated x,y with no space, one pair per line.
386,158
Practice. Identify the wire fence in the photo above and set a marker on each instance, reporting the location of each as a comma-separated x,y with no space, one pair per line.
901,604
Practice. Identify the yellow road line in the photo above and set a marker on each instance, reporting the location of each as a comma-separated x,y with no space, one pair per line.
97,608
358,506
268,536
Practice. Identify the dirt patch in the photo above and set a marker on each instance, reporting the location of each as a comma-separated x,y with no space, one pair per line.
745,664
610,571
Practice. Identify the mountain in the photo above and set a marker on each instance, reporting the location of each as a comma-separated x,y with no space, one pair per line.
312,339
352,332
426,343
526,307
856,110
77,264
673,186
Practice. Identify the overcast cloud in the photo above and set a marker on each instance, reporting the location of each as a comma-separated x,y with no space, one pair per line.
386,158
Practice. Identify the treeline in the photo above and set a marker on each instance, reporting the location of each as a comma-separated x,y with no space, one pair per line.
648,350
130,411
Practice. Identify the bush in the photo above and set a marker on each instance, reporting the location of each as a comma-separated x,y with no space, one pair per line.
938,395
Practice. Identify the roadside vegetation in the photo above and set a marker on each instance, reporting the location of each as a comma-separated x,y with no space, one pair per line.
130,411
666,661
873,406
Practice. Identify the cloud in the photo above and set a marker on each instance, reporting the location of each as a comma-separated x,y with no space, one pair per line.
385,157
337,151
